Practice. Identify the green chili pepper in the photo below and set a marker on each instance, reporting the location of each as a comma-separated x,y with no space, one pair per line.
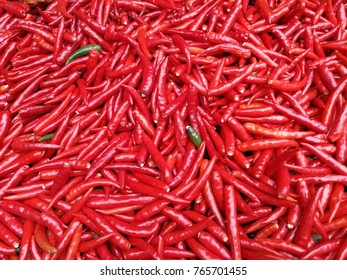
193,136
47,137
83,51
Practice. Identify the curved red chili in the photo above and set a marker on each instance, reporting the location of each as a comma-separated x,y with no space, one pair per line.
41,239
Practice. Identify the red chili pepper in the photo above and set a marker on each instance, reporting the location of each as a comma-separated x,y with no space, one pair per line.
232,224
133,167
318,179
321,249
258,129
256,145
265,197
183,46
151,181
158,158
55,113
341,148
66,239
293,216
282,245
310,170
7,250
312,124
338,125
41,239
62,6
254,245
140,102
331,101
72,250
180,72
331,162
11,222
262,162
230,85
277,213
21,210
28,231
84,186
142,244
267,230
335,200
5,119
22,147
177,236
144,123
201,251
335,224
117,239
8,237
239,130
89,245
102,159
215,246
213,204
52,222
193,192
303,232
283,181
18,9
14,180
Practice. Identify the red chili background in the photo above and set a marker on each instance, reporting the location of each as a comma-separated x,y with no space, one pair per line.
169,129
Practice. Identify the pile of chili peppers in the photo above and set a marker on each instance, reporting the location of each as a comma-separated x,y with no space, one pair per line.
168,129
